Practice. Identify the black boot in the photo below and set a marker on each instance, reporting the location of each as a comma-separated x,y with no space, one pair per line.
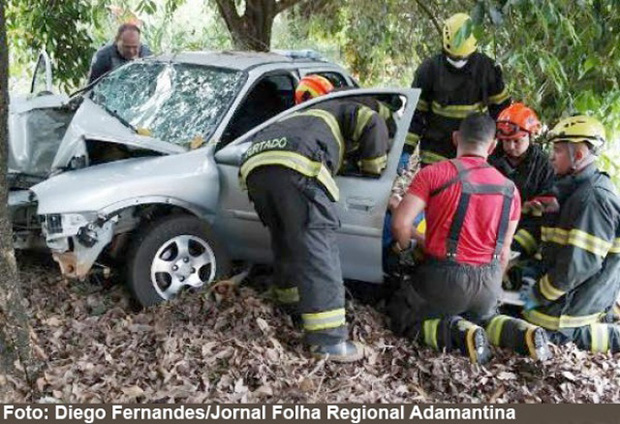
538,344
471,340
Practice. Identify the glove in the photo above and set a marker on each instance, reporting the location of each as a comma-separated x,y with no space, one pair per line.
526,293
405,256
403,163
540,204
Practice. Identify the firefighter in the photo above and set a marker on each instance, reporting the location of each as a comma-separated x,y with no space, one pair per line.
385,107
574,296
454,84
471,213
289,172
528,166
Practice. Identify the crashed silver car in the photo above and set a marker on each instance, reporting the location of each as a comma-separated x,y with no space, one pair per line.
145,177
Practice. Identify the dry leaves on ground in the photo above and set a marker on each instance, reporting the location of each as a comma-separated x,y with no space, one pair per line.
95,348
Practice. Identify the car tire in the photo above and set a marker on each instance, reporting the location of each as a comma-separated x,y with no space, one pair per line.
171,254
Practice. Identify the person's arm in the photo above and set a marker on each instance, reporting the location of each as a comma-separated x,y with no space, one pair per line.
583,247
99,66
371,132
513,216
402,221
505,255
422,80
498,95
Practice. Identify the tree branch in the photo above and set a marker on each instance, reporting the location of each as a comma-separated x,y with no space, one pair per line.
282,5
430,15
228,11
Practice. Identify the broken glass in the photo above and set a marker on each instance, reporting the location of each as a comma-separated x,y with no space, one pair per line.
176,103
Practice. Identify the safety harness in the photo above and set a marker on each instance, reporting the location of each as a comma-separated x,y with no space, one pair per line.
469,189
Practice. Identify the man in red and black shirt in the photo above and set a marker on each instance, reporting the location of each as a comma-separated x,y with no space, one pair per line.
472,212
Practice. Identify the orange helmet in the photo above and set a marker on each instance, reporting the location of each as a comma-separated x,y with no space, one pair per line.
516,121
312,86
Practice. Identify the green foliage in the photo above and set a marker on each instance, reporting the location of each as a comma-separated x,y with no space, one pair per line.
56,26
71,31
561,58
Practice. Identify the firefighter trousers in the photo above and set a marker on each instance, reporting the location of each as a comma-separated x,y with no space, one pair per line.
597,337
445,302
302,222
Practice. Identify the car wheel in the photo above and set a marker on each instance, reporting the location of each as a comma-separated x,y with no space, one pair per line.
173,254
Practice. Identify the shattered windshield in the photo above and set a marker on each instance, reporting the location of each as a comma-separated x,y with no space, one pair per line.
177,103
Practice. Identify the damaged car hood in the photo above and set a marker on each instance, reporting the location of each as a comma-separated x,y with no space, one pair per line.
92,122
110,186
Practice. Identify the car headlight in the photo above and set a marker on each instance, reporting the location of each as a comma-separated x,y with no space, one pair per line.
67,224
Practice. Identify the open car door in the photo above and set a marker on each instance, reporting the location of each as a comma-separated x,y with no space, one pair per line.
361,208
42,77
37,123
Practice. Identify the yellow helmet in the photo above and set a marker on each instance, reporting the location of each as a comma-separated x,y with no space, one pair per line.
578,129
451,27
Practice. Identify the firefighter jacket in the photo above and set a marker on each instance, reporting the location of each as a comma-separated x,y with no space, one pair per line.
449,95
581,254
534,177
321,141
385,109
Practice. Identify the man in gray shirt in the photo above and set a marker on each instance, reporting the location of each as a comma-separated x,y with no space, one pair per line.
126,47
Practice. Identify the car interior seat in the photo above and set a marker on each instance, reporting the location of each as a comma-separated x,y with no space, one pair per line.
263,102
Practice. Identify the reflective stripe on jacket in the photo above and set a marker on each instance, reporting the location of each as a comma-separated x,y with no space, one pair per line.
320,141
449,95
581,253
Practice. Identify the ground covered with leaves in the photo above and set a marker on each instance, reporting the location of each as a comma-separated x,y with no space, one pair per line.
95,347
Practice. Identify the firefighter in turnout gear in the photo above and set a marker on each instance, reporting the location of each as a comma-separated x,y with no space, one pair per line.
574,296
528,166
289,172
385,107
454,84
471,212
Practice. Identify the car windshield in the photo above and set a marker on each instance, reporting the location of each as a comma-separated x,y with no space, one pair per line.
177,103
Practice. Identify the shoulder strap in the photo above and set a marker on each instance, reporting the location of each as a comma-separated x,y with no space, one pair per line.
461,173
469,189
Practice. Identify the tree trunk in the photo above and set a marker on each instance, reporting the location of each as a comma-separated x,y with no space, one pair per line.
15,348
252,30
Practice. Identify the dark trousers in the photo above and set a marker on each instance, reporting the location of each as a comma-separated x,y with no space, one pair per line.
444,300
302,221
440,288
598,337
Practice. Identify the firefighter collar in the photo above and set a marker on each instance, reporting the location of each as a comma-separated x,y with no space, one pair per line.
567,184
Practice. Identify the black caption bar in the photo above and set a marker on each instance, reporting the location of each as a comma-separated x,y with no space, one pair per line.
290,414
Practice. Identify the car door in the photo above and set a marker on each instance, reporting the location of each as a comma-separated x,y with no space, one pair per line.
37,122
361,208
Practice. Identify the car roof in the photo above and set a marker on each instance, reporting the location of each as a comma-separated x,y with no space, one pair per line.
242,61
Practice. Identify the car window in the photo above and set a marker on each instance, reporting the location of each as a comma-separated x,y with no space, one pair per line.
41,83
389,107
267,98
335,78
177,103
